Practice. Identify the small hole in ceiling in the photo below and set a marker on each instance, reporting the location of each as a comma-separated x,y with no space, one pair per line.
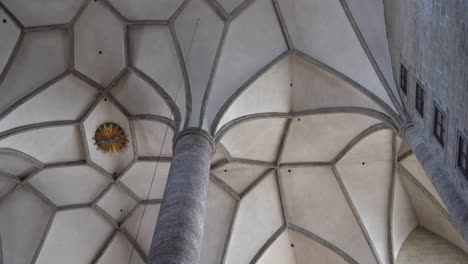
115,173
105,99
225,170
4,20
100,52
292,245
291,84
363,163
289,170
299,119
121,210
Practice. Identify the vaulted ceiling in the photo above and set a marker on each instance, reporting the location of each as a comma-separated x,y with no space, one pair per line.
300,98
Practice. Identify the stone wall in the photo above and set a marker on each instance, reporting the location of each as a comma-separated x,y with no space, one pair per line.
430,37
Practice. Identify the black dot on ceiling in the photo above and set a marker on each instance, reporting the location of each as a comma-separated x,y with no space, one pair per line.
115,173
105,99
363,163
121,210
291,84
292,245
299,119
225,170
100,52
289,170
4,20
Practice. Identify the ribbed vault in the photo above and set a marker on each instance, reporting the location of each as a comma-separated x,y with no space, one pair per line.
324,190
299,96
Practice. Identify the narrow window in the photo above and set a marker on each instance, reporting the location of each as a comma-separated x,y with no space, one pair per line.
439,126
404,79
420,93
463,155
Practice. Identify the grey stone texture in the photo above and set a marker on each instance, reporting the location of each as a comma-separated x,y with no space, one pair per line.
430,37
436,170
425,247
179,229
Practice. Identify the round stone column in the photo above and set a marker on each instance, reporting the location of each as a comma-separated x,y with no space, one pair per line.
178,234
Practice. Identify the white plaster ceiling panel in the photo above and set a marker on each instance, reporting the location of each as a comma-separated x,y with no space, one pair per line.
281,251
403,146
70,185
366,172
10,33
119,252
42,56
271,92
322,137
153,52
146,9
219,155
404,219
315,202
138,97
321,29
6,186
43,12
75,237
412,164
139,177
314,87
370,19
309,251
143,233
64,100
14,165
117,203
431,217
230,5
49,144
104,112
99,44
258,218
239,176
23,219
150,137
247,141
219,210
253,40
199,31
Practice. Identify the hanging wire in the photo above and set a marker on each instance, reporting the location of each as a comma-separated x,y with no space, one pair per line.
292,233
186,60
293,244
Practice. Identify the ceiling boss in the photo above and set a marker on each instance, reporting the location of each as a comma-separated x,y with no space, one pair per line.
110,138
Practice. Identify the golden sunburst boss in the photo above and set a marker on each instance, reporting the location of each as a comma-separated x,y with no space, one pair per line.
110,138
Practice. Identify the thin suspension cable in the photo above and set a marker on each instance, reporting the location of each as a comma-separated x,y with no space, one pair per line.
186,60
291,232
293,245
292,235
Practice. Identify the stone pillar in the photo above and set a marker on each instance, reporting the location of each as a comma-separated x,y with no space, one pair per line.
441,179
178,235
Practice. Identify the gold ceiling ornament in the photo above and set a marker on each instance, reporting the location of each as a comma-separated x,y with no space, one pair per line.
110,138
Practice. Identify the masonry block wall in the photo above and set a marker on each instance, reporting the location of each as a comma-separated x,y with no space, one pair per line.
430,38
